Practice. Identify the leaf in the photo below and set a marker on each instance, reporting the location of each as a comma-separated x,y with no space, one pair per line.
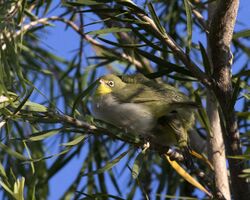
43,134
86,3
19,189
206,63
75,141
2,172
4,99
100,196
131,5
202,113
83,94
245,115
108,166
186,175
189,24
35,107
12,152
121,45
202,157
246,170
109,30
2,123
176,197
156,19
23,101
137,165
240,34
7,189
163,63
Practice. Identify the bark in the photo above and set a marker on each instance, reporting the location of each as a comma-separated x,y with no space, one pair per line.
216,149
216,145
220,36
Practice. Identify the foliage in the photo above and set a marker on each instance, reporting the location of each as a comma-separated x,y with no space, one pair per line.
46,121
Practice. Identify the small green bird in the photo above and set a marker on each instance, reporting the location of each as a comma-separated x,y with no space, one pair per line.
141,106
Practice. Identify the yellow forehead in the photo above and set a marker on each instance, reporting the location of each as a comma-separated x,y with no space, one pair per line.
103,89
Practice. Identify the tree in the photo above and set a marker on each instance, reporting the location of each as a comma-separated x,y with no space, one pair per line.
44,100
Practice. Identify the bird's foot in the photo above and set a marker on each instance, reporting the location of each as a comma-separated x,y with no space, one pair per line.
174,155
145,146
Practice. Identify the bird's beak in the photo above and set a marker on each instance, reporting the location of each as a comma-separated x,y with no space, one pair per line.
101,81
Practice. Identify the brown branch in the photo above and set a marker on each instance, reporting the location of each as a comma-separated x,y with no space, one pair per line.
96,130
216,142
221,31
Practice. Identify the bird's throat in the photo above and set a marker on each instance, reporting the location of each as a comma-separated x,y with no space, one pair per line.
103,89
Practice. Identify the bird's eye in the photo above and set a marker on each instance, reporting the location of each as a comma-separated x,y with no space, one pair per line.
111,83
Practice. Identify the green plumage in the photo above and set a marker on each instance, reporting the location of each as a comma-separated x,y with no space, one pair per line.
142,106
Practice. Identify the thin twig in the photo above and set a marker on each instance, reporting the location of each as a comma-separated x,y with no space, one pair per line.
45,21
177,51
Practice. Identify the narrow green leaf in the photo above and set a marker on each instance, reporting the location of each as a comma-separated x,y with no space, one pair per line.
131,5
202,113
19,189
29,155
246,170
7,189
189,24
109,30
247,96
83,94
2,171
100,196
108,166
244,175
206,63
23,101
43,134
85,3
240,157
156,19
163,63
244,115
75,141
35,107
21,11
137,165
243,73
12,152
114,181
147,41
176,197
240,34
121,45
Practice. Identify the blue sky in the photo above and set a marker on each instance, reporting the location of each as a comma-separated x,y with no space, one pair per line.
64,43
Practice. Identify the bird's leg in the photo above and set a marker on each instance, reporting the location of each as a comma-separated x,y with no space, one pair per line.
188,158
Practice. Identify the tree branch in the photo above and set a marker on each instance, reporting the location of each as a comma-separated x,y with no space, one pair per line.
177,51
221,31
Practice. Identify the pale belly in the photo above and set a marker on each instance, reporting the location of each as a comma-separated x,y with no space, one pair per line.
134,118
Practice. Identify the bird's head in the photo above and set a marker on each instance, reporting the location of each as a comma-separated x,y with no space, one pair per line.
109,83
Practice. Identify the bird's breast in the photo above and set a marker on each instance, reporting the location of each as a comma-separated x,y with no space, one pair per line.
132,117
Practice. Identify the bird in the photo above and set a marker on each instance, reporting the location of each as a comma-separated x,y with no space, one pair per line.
141,106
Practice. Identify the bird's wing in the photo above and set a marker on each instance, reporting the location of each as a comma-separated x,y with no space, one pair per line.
137,93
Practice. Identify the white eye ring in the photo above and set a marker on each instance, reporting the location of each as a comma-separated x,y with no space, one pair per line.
111,83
